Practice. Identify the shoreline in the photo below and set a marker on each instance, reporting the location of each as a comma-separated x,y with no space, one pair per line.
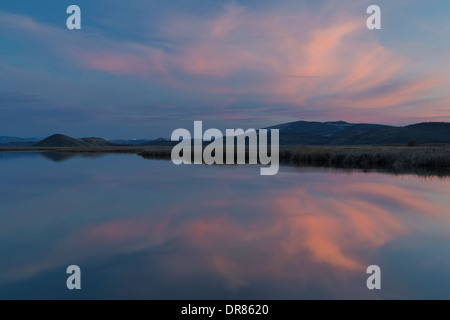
422,160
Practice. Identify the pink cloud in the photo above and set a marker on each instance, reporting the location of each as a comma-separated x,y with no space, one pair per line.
292,57
117,63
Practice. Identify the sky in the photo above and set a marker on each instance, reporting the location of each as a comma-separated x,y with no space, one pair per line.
141,69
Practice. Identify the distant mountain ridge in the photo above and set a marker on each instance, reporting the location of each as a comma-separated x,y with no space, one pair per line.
431,132
7,141
293,133
325,129
344,133
144,142
59,140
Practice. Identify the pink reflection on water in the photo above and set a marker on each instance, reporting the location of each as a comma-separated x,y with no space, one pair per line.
328,228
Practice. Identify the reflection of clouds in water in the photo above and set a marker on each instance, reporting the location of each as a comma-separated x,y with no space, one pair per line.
326,229
333,231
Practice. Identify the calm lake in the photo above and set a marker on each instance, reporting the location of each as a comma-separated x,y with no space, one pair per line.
147,229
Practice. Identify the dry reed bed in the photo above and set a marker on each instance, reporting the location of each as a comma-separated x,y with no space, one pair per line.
391,158
369,157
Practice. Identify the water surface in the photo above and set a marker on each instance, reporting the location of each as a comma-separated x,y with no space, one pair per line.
147,229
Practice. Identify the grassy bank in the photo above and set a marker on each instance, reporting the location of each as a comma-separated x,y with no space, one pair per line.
399,159
427,160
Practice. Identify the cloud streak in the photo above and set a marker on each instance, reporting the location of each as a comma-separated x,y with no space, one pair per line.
305,59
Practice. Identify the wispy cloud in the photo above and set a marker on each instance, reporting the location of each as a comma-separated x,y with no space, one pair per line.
310,59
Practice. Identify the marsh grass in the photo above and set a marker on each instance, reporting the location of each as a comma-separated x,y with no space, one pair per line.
397,159
423,159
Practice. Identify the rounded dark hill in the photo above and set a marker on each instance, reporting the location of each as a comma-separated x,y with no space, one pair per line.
426,132
60,140
324,129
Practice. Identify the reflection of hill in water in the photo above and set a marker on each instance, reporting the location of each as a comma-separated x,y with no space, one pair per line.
50,155
59,156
